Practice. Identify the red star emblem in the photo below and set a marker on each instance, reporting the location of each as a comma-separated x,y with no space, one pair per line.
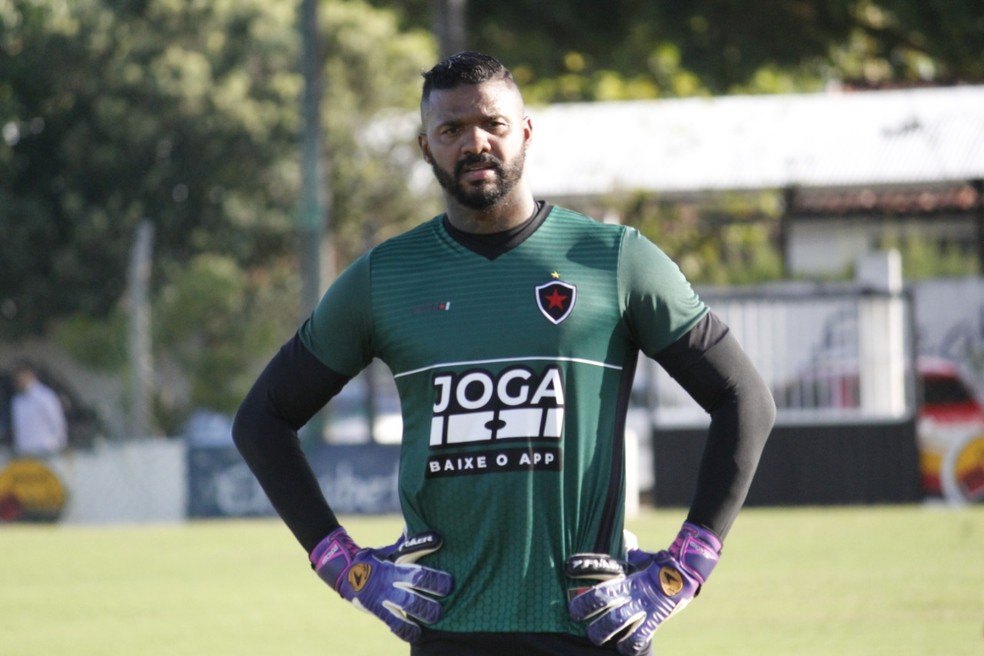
555,300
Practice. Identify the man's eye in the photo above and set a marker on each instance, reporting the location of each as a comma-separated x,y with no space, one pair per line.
451,130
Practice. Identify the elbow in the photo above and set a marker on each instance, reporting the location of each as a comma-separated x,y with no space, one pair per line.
245,425
239,425
769,409
763,406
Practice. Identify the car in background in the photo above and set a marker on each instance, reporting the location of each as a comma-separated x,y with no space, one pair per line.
950,420
951,432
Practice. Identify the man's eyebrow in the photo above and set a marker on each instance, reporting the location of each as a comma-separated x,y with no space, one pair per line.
459,121
447,123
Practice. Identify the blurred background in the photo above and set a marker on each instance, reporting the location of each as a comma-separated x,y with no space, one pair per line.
181,180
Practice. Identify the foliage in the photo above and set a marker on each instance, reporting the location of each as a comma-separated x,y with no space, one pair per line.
729,239
99,344
181,112
372,72
186,113
924,258
211,318
586,50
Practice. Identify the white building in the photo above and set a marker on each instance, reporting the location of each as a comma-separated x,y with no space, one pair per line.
852,165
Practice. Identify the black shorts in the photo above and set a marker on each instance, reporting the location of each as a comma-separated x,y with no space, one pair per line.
442,643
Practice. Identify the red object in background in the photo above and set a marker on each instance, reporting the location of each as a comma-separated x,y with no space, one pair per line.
949,414
10,508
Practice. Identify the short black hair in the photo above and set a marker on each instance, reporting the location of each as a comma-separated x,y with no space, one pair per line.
466,67
23,366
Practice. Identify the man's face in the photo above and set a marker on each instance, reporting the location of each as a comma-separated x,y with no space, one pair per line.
475,139
23,379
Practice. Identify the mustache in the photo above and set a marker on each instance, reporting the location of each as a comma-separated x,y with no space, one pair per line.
475,158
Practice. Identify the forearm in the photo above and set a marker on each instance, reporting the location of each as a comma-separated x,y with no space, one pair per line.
273,453
291,389
711,366
740,426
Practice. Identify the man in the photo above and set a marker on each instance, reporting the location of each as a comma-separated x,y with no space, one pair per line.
37,416
512,329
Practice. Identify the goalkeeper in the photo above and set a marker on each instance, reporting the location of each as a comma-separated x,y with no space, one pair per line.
512,327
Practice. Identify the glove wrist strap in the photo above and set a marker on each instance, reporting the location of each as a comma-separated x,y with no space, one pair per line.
697,550
333,557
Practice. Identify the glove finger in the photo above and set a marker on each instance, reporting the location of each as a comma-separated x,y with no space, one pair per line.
393,616
398,623
634,645
425,579
623,621
415,605
598,598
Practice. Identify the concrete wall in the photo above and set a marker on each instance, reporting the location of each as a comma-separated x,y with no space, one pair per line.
138,481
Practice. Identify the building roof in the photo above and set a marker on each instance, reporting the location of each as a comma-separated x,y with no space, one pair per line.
835,139
922,200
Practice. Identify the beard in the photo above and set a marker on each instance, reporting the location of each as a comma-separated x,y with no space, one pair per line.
486,194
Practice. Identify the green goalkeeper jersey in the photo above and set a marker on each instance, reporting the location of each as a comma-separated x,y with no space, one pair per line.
514,375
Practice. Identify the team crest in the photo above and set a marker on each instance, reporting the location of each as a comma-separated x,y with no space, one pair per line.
556,300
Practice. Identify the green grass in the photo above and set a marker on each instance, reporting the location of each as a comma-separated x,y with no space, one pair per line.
845,581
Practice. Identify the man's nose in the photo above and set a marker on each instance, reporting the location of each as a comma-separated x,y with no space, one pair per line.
476,140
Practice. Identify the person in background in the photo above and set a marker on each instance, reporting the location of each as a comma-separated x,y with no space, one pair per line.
37,415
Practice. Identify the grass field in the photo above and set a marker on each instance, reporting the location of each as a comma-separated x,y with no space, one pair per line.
845,581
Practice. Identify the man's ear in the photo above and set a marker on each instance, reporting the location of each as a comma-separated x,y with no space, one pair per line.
424,149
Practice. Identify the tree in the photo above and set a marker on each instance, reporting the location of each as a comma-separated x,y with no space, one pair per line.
585,50
372,80
186,113
180,113
722,239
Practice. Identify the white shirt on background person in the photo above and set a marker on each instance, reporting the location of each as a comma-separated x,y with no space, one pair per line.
38,421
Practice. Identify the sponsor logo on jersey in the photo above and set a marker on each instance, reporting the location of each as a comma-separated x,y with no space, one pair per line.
498,460
479,406
556,300
507,411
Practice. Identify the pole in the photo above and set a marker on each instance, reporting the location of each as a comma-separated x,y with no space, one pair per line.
141,362
449,25
315,199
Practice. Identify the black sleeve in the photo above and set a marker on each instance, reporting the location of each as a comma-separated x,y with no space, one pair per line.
711,366
291,389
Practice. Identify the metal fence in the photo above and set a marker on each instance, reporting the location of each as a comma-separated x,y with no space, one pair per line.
828,355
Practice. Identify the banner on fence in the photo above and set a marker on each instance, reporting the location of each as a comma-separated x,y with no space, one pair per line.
356,479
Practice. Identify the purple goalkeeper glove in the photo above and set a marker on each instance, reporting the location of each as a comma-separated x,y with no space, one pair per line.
385,582
630,607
